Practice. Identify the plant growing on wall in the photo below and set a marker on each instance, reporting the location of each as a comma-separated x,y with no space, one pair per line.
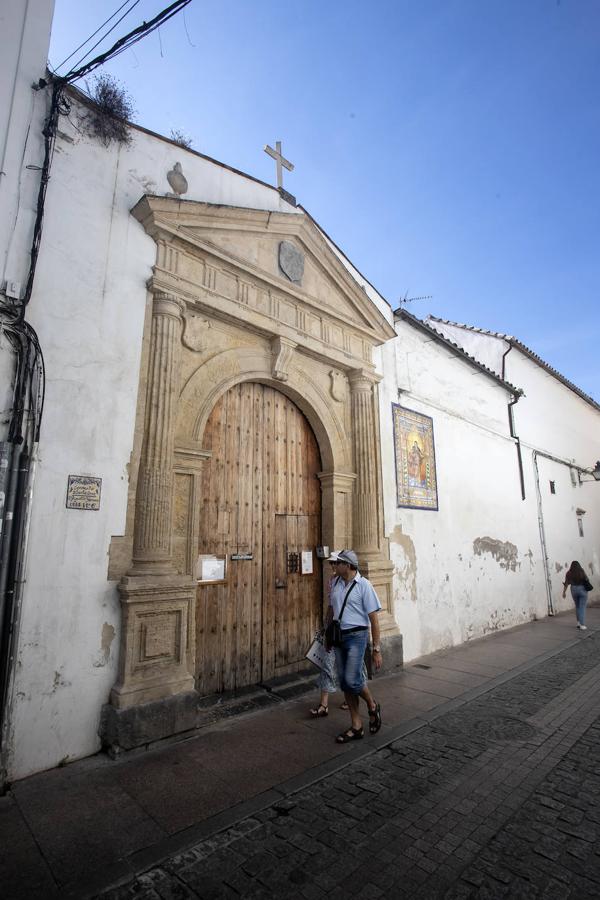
181,138
112,108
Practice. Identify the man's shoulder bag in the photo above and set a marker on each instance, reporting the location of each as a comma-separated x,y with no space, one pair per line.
333,632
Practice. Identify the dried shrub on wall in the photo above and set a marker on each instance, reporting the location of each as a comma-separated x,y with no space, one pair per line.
181,138
113,107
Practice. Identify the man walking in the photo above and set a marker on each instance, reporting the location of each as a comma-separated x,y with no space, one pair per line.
354,603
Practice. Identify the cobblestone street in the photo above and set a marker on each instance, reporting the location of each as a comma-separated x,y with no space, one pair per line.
499,798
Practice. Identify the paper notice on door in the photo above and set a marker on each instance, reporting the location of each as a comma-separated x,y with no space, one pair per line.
307,562
210,568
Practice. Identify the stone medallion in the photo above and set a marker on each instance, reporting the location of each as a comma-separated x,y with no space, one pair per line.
291,261
195,332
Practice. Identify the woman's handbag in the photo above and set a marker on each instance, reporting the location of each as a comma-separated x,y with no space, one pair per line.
588,585
317,652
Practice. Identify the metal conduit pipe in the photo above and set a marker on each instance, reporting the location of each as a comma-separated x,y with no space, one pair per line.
10,452
16,566
538,494
511,424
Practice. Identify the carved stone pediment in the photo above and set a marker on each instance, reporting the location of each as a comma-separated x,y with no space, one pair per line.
226,262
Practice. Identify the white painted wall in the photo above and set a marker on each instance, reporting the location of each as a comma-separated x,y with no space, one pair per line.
474,565
24,41
88,308
550,420
553,419
487,348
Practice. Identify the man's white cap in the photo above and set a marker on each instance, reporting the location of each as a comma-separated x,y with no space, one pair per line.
334,556
348,556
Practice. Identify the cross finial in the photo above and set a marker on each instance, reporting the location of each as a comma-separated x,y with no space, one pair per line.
280,160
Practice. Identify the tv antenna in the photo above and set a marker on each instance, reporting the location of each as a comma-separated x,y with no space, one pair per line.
406,299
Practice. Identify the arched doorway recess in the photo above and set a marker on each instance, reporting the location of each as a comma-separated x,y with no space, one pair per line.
260,510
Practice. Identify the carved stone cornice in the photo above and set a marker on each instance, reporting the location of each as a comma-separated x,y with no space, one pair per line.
339,481
164,304
363,379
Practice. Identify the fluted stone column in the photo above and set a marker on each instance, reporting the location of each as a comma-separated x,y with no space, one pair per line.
369,543
157,652
154,497
366,457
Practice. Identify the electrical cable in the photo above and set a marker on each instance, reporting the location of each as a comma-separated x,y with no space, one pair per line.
104,36
128,40
100,27
186,30
30,374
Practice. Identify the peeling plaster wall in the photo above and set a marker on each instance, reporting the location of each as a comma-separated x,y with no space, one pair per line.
550,418
553,419
474,566
88,308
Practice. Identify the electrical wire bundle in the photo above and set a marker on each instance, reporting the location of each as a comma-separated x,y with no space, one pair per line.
17,452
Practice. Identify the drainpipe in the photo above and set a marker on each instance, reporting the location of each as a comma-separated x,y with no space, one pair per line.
9,480
542,534
511,425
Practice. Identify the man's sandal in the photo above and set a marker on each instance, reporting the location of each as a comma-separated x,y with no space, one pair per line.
375,719
353,734
320,712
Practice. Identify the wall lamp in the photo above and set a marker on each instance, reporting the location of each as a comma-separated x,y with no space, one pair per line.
595,473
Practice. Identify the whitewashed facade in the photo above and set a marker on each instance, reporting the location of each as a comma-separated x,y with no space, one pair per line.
88,308
476,564
472,566
558,427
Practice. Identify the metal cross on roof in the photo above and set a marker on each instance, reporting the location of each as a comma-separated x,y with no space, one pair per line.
280,160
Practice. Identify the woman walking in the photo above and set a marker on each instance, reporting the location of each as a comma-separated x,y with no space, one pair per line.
579,583
328,682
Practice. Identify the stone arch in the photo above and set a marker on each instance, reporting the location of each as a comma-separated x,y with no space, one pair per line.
224,370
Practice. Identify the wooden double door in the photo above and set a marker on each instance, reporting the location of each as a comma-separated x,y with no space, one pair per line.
260,510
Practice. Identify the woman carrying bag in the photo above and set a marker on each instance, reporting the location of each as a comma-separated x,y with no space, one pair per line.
579,583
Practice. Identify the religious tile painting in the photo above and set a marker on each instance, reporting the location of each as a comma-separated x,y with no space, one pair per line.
416,480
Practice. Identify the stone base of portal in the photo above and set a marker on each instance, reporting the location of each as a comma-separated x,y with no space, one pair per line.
156,658
392,656
180,716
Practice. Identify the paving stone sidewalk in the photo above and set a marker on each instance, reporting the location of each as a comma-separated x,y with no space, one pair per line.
500,798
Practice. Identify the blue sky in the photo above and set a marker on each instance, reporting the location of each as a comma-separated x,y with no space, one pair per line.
449,147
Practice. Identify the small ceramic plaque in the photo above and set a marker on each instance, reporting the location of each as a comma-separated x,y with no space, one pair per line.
83,492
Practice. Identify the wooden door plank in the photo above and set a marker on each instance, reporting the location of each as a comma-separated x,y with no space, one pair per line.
269,530
209,596
280,455
229,612
300,461
256,588
291,421
242,626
